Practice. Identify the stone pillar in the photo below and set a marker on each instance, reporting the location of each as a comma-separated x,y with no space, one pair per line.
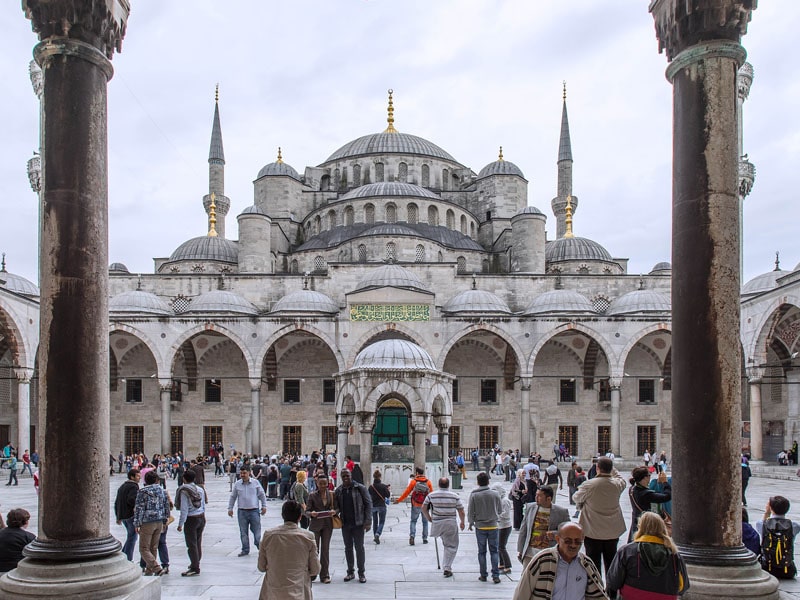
419,423
342,431
525,416
166,415
702,43
255,421
366,423
616,394
23,410
756,422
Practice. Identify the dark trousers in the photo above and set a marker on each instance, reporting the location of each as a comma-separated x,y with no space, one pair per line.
193,534
518,505
505,559
353,535
597,549
323,538
285,490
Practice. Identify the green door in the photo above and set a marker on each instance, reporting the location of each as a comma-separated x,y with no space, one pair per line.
391,424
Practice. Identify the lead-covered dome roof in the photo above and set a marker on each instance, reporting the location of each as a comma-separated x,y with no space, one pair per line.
391,276
440,234
306,301
118,267
207,248
221,301
394,355
476,301
559,301
661,267
575,248
764,282
138,301
640,301
18,284
500,167
389,143
530,210
278,169
390,188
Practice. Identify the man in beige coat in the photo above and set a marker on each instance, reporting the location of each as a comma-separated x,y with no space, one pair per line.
288,556
601,515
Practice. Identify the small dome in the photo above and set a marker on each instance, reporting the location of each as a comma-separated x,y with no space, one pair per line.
306,301
391,276
276,169
207,248
640,301
764,282
574,248
530,210
394,355
389,143
118,268
217,301
138,301
559,301
500,167
252,210
391,188
17,284
661,268
479,301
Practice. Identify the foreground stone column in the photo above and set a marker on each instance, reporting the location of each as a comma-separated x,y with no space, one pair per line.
525,416
255,420
756,420
74,556
701,39
342,432
366,423
616,394
23,411
166,415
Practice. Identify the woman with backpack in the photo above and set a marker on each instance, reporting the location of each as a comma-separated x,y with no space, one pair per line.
642,496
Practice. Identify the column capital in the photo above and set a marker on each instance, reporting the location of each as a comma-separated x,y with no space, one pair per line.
615,383
165,384
255,384
366,421
100,23
525,383
680,24
755,374
37,78
23,374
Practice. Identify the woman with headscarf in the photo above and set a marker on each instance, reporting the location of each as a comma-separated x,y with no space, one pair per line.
517,495
650,567
642,496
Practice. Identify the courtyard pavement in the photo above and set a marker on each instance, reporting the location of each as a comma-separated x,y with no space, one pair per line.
394,569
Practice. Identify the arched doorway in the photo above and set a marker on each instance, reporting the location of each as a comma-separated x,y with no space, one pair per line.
391,424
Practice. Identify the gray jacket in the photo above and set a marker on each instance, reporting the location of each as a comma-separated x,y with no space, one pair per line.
558,515
484,508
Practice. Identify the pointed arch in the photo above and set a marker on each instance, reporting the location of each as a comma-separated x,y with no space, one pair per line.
393,386
489,327
580,327
291,328
755,347
381,332
188,334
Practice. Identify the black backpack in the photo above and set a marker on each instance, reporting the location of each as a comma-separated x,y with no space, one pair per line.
777,548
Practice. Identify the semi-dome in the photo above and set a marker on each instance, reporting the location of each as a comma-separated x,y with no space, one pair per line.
219,301
252,210
390,188
391,276
277,169
17,284
479,301
118,267
574,248
389,143
640,301
207,248
661,267
330,238
500,167
306,301
559,301
138,301
394,355
764,282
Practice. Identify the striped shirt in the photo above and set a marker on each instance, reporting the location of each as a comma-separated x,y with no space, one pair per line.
443,504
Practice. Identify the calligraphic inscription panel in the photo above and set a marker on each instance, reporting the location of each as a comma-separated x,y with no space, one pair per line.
390,312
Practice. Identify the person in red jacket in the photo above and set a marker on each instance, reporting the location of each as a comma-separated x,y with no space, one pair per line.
419,488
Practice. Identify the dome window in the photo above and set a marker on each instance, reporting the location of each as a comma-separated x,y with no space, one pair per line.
362,253
461,265
472,230
426,176
391,252
402,172
180,304
331,219
433,215
369,214
391,213
349,216
463,224
413,213
450,219
317,225
419,253
378,172
445,179
601,304
357,175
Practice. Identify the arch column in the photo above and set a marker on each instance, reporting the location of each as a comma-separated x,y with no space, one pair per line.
366,423
343,423
525,445
756,418
616,396
166,415
23,376
420,422
255,419
443,423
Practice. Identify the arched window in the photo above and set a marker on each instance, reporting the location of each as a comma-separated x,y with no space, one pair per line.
365,175
369,214
391,213
357,175
485,265
433,215
419,253
349,215
463,224
402,172
440,258
294,266
317,224
337,178
472,230
362,253
331,219
319,264
412,213
343,182
461,265
426,176
445,179
391,252
451,219
325,183
378,172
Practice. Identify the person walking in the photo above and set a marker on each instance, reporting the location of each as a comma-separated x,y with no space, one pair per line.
517,494
150,516
251,497
503,529
321,507
355,510
124,503
300,493
288,556
440,508
746,474
419,487
483,513
381,496
538,529
190,499
12,469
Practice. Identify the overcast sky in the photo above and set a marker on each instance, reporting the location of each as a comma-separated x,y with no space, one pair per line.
468,75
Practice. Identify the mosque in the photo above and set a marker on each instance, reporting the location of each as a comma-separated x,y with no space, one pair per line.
395,303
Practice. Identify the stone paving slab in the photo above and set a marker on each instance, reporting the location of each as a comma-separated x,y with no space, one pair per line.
394,569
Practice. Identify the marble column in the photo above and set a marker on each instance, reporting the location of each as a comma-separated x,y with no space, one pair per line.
525,416
23,410
255,421
756,422
166,415
701,39
616,394
343,423
366,423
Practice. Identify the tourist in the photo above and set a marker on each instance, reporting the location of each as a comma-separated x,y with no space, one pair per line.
250,496
440,508
355,510
190,500
518,494
321,507
123,510
14,538
777,539
642,496
418,487
483,513
381,496
150,518
503,529
540,524
300,494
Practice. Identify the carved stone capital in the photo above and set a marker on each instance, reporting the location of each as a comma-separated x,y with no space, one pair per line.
754,374
37,79
366,421
747,176
23,374
101,23
681,24
744,80
35,172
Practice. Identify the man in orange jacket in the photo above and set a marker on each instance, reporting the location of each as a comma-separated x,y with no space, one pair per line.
419,488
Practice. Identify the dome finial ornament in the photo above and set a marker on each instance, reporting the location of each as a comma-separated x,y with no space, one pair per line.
500,156
280,158
390,117
212,216
568,219
777,261
3,269
216,94
564,90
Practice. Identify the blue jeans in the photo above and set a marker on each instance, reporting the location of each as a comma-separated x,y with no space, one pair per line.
249,519
130,542
488,537
378,518
416,511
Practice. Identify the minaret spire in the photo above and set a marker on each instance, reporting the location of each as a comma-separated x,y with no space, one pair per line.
564,191
212,217
216,172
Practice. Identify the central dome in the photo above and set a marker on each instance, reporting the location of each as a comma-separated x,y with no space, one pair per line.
207,248
389,143
575,248
394,355
391,276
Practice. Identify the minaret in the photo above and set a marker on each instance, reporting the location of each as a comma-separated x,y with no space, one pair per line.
216,173
747,170
564,191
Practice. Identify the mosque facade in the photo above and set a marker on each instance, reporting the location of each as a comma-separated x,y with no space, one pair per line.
392,297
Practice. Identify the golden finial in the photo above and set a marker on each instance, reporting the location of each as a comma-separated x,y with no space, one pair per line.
568,220
212,216
216,94
390,118
280,158
3,270
500,157
564,90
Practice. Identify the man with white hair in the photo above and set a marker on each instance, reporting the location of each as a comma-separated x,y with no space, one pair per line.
441,508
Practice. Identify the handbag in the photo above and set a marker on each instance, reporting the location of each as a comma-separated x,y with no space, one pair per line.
337,521
386,501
